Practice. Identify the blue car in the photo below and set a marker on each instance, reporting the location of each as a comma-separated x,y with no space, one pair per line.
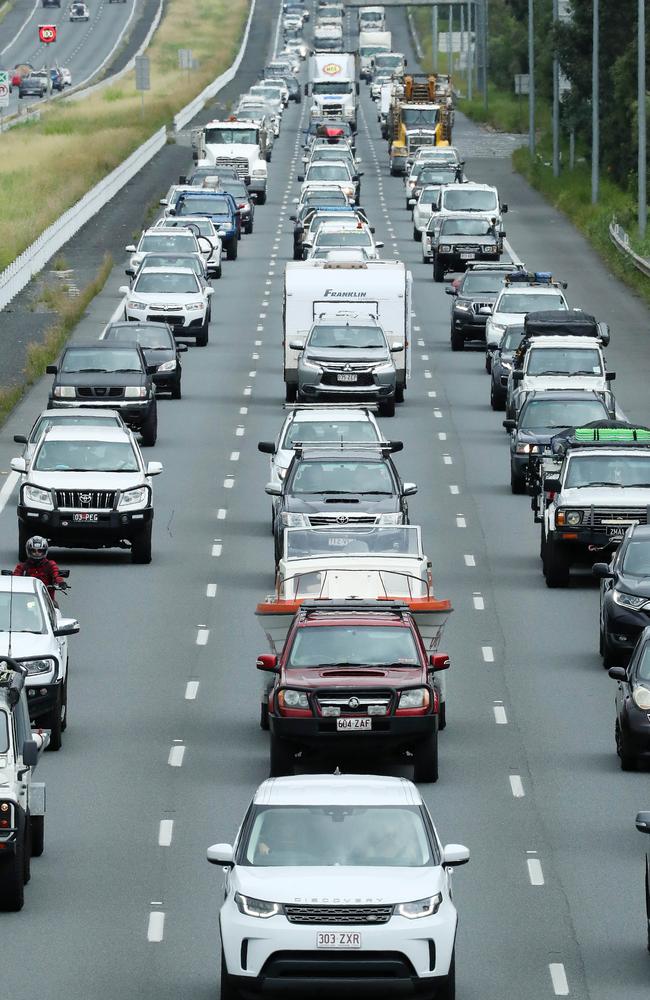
221,208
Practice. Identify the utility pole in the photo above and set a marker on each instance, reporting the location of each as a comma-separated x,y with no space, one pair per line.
434,38
486,93
450,49
531,79
556,94
470,53
595,104
642,114
462,40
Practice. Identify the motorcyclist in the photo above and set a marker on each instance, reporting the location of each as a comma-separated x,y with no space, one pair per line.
38,565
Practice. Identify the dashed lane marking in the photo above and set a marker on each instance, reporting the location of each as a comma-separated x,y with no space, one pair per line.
165,832
191,690
176,754
156,926
517,786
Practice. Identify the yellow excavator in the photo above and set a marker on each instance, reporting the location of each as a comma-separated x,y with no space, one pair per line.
417,118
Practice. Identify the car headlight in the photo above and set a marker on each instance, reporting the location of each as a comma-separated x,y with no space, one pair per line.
134,498
391,518
490,249
573,517
507,365
168,366
462,307
64,392
193,306
385,368
312,367
426,907
629,600
290,520
251,907
136,304
135,392
641,697
415,698
293,699
45,666
444,248
34,495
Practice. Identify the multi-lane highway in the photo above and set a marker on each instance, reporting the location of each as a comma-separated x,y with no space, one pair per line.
82,46
163,749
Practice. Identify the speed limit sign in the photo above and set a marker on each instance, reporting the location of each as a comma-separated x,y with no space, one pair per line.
47,33
4,88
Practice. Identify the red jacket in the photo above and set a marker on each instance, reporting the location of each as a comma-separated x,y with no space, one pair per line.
46,571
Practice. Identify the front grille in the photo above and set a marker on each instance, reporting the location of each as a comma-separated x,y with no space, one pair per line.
332,110
100,392
363,379
464,248
167,318
477,306
360,702
598,516
333,519
338,914
239,163
86,499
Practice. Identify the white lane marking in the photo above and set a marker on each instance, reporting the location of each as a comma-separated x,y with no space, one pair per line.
165,832
240,431
265,303
517,786
22,28
156,926
228,483
425,357
243,410
447,459
211,590
217,547
428,374
478,602
234,456
508,247
500,716
469,559
559,979
488,654
260,329
221,514
202,636
8,487
191,690
432,394
248,390
252,374
535,873
176,755
437,414
460,521
255,356
454,490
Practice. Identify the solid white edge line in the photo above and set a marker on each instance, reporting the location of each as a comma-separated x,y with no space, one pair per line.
8,487
165,832
22,27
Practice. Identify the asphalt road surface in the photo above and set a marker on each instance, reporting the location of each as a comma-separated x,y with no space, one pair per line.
164,695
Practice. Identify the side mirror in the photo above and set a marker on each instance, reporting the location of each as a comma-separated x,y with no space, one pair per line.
20,439
154,468
182,348
510,425
163,201
412,201
517,376
30,753
503,233
552,485
396,446
306,90
209,291
51,369
130,248
18,464
395,348
66,626
617,673
410,489
268,662
451,291
603,332
504,210
602,571
454,855
293,218
610,376
182,179
130,272
642,822
297,345
300,178
221,854
439,661
266,447
379,244
273,489
124,289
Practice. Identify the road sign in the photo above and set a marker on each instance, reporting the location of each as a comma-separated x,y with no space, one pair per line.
4,88
142,73
47,33
522,83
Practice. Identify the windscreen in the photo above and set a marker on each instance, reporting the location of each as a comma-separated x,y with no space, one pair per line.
78,420
335,836
86,456
86,359
332,87
516,302
388,61
464,199
231,136
608,470
150,337
433,175
353,646
310,431
171,283
563,361
208,205
181,242
465,227
21,613
371,50
353,337
542,414
636,562
327,172
426,116
313,478
479,283
345,238
202,227
390,541
190,261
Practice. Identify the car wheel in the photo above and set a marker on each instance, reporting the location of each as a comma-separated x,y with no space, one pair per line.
12,875
497,400
177,390
290,393
628,763
261,198
488,363
387,407
517,482
248,228
27,852
556,565
54,722
37,824
64,703
447,991
425,759
442,716
399,393
438,270
228,990
149,429
417,234
609,658
282,758
232,248
218,272
141,546
202,336
457,339
264,715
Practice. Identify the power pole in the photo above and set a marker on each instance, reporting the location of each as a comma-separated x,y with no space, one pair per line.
434,39
642,114
450,50
484,40
531,79
556,95
595,104
470,53
462,40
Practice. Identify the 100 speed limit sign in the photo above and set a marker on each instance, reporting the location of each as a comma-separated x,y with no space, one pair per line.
47,33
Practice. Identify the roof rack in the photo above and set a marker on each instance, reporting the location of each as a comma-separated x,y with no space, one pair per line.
385,447
565,323
608,433
12,678
534,278
370,407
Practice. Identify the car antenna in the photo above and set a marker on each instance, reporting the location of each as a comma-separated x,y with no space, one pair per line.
11,605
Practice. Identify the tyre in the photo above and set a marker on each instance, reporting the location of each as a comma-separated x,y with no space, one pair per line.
261,198
417,234
497,400
203,335
64,704
297,253
457,339
610,659
408,207
425,759
281,758
23,534
141,546
438,271
232,249
399,393
442,716
290,393
447,991
556,565
54,722
177,390
264,715
517,482
149,429
37,824
217,274
27,852
628,762
488,363
387,408
248,228
228,990
12,876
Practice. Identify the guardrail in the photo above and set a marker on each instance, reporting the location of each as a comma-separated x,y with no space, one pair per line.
186,114
621,240
417,44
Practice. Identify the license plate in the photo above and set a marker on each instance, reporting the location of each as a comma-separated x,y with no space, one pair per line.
353,724
617,531
467,256
340,940
85,516
351,377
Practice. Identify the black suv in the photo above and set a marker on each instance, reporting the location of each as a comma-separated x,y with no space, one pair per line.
162,351
107,374
347,484
460,239
474,296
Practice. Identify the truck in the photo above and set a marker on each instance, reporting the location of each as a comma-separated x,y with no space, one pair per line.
376,289
231,143
22,800
416,119
370,43
333,86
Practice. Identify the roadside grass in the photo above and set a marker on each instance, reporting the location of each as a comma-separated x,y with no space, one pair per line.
49,165
68,311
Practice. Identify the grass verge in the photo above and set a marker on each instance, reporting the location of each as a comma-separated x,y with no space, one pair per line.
82,141
69,311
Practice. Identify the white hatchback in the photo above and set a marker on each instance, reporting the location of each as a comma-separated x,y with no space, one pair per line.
338,872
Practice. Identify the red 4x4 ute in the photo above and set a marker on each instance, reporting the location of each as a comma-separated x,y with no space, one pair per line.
354,676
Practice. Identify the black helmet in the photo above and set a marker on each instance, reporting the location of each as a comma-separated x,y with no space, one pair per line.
36,548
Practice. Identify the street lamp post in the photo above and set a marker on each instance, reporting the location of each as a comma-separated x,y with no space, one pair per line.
642,114
556,96
595,104
531,78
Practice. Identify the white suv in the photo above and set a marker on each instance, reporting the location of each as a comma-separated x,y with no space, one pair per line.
333,871
172,295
